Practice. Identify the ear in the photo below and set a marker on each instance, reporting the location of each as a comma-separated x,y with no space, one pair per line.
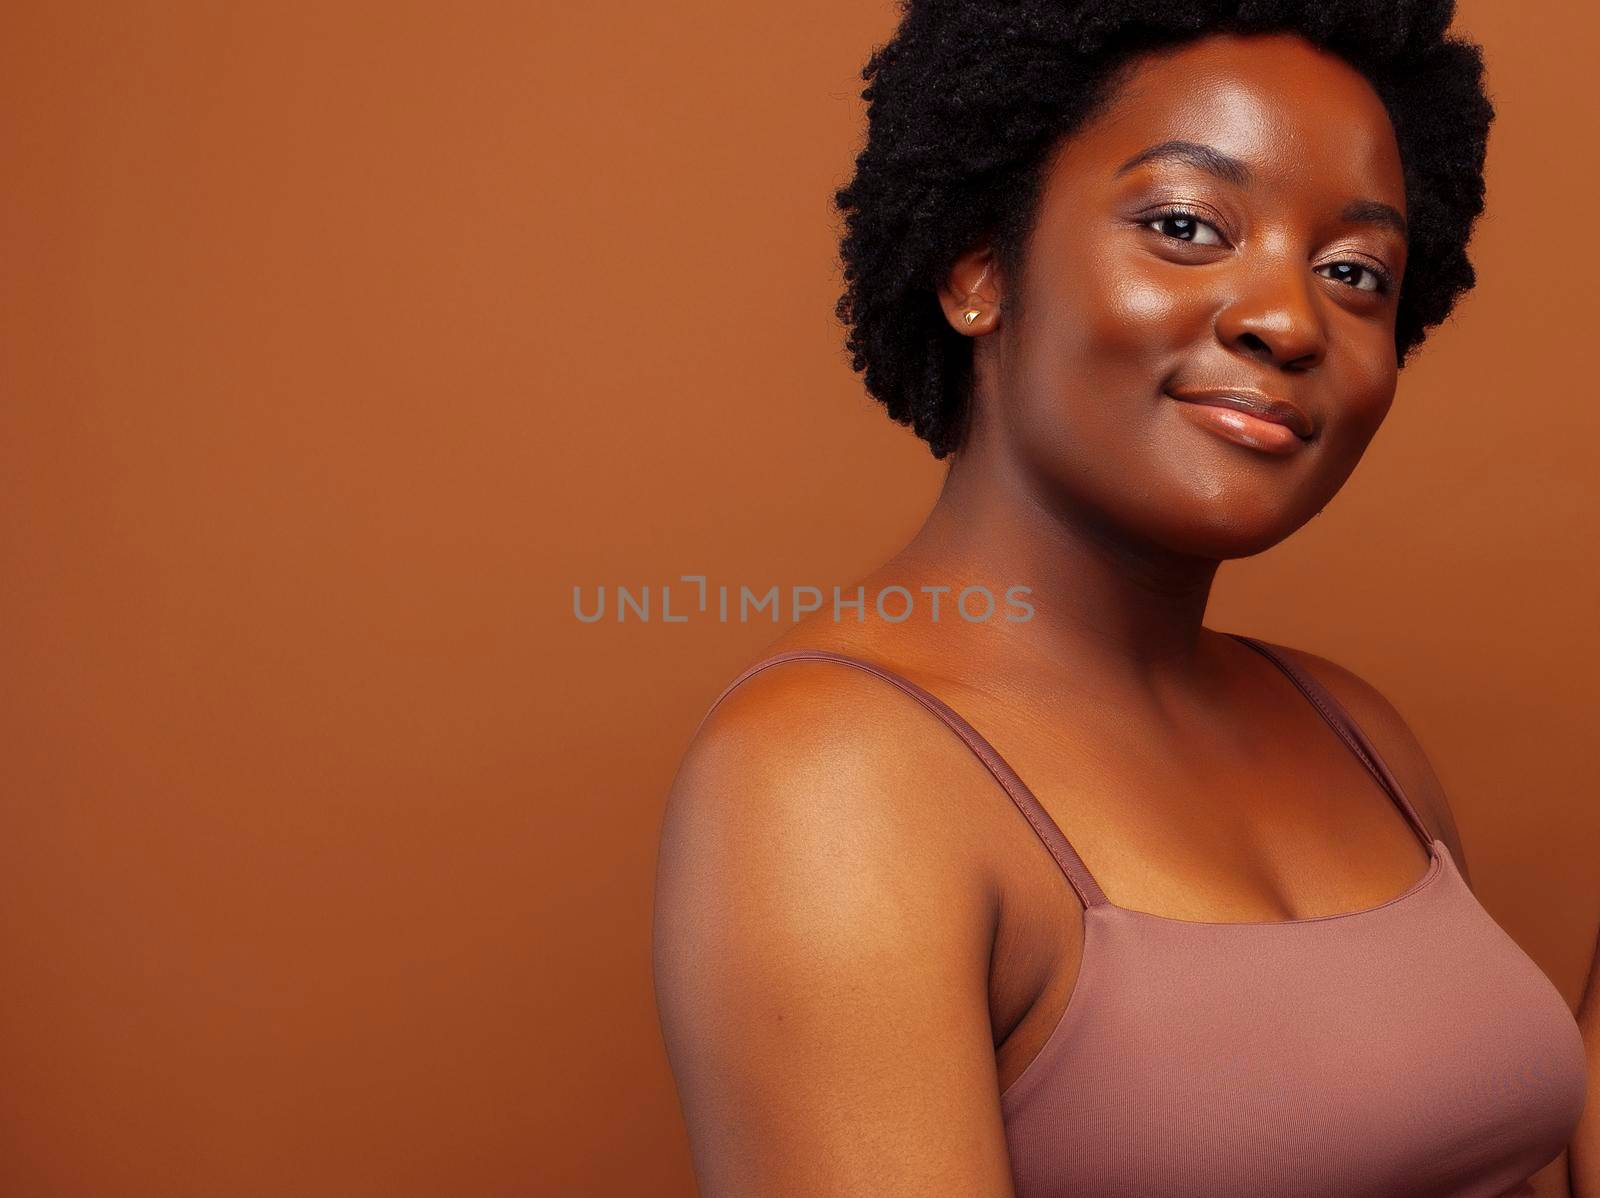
973,286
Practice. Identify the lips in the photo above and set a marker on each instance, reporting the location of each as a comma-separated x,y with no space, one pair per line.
1251,402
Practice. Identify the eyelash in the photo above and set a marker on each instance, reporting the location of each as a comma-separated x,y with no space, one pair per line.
1175,213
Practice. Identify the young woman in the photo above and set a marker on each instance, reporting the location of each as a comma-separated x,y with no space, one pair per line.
1145,274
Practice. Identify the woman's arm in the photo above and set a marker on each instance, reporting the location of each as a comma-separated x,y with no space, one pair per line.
1583,1157
821,950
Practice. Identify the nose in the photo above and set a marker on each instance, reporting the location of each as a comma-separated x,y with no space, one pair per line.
1273,318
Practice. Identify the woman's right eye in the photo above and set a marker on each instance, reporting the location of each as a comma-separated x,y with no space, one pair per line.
1181,226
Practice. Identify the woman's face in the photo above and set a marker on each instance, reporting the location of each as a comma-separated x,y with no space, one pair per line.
1231,224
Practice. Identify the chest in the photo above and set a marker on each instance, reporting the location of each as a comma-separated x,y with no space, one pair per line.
1412,1048
1184,835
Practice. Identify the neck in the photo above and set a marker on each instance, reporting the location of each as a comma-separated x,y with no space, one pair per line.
1101,601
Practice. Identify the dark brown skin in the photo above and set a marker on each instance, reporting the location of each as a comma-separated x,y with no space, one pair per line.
1584,1162
859,940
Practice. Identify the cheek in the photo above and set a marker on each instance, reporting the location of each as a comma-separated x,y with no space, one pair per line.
1143,314
1383,378
1114,312
1132,303
1104,333
1365,383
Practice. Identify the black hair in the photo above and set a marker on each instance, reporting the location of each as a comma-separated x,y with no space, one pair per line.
967,99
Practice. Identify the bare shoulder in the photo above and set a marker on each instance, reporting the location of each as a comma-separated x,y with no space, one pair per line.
820,947
821,748
1395,740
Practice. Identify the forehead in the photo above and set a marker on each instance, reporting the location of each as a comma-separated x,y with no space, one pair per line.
1295,115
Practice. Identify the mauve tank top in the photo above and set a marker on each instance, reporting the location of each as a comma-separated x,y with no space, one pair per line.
1408,1049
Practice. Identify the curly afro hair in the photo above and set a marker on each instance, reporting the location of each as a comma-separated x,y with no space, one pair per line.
966,100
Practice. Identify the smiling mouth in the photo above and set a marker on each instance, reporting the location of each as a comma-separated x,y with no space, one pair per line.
1247,417
1252,403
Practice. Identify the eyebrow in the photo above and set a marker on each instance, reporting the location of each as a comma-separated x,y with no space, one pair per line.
1231,170
1223,166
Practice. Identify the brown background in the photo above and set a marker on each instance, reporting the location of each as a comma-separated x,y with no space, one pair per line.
339,342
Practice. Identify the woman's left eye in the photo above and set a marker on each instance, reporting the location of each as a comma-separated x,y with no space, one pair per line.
1353,274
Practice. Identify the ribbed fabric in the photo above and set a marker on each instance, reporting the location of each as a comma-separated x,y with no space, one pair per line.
1408,1050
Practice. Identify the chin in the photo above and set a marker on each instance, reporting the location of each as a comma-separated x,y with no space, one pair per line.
1232,539
1225,528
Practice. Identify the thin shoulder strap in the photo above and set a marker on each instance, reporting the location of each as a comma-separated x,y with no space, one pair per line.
1342,722
1089,892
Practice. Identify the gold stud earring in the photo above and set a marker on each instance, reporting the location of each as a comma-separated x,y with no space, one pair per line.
970,315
